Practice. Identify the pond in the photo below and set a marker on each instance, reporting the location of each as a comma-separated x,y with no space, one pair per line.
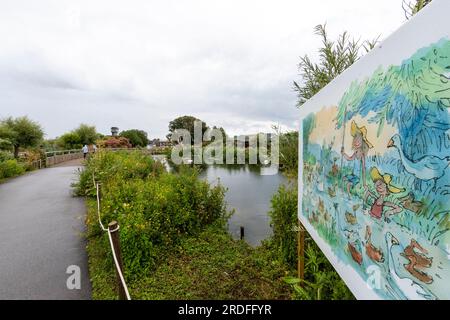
249,193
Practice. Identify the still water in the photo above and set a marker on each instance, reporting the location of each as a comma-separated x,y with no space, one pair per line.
249,193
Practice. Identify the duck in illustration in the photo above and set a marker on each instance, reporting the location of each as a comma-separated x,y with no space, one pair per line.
334,168
409,288
355,253
327,215
322,211
409,202
427,168
418,260
372,252
313,217
321,206
351,218
331,192
309,177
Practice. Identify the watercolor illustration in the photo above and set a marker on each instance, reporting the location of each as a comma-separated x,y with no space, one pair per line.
376,175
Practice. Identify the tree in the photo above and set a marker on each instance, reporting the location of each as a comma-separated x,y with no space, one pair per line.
78,137
334,58
187,123
50,145
70,140
411,8
114,142
5,144
88,134
137,138
215,129
224,134
21,133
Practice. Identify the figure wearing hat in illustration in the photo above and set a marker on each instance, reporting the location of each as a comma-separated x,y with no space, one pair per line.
361,146
383,188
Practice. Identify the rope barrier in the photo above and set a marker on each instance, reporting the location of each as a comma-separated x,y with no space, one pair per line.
98,209
116,262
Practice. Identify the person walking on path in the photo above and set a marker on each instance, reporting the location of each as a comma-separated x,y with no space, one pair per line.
85,150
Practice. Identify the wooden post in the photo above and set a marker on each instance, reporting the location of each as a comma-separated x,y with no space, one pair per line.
242,233
114,229
301,251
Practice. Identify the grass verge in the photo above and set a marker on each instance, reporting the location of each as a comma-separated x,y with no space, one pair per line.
209,265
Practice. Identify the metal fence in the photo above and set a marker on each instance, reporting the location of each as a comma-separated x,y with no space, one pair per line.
55,157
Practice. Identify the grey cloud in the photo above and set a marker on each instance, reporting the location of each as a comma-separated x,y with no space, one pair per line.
139,65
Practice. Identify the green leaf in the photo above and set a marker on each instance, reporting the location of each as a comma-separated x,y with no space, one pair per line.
291,280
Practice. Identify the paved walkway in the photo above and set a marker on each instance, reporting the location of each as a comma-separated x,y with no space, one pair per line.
71,163
41,226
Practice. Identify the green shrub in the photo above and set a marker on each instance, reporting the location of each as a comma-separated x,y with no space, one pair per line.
116,166
283,216
6,155
10,168
153,208
289,153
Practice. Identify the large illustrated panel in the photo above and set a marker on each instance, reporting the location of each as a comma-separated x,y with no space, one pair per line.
376,178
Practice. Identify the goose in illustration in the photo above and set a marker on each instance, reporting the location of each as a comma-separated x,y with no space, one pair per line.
372,252
426,168
410,289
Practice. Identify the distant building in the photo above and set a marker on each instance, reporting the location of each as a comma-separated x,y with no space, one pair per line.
159,143
114,131
165,143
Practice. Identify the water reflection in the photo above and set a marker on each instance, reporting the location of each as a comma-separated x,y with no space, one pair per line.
249,193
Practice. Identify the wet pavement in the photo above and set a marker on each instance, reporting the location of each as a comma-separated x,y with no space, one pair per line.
41,236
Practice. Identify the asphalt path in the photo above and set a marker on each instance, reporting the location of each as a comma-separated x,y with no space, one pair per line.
42,243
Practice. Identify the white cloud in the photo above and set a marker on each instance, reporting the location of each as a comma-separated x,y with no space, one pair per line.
139,64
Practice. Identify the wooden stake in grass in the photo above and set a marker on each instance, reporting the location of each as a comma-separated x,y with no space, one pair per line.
114,229
301,252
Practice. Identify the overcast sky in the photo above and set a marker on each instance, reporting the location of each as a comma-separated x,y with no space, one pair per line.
140,64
